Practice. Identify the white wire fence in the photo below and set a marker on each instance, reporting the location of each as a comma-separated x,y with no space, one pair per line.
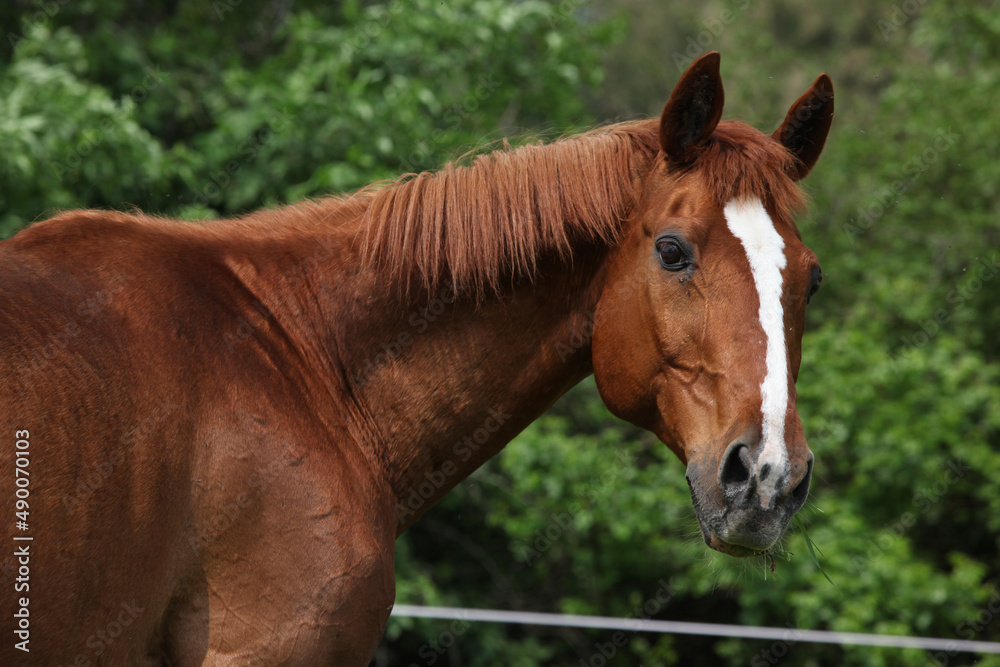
951,646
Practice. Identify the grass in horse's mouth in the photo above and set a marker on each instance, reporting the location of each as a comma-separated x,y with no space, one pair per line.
777,551
772,554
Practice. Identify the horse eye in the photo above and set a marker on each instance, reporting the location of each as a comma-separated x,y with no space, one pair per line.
817,278
671,255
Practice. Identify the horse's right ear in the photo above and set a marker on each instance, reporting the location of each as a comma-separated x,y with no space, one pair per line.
693,111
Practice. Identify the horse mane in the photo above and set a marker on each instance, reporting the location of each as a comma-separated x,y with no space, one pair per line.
478,224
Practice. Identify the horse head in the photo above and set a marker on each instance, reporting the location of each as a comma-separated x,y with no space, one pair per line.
698,329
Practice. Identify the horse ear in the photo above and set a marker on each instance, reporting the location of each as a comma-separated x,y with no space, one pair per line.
807,124
693,111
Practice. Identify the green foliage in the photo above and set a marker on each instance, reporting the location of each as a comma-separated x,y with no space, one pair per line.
205,109
900,382
64,137
326,102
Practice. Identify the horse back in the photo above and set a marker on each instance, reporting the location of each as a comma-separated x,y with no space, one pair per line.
161,433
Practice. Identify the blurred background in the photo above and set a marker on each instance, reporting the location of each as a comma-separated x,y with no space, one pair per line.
216,107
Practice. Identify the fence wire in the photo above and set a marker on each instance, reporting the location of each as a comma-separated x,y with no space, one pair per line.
789,635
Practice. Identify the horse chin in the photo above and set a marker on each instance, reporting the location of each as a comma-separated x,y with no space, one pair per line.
736,538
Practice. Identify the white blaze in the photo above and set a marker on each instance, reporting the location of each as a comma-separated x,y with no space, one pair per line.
750,223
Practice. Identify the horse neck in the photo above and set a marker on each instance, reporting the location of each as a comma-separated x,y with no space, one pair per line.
449,382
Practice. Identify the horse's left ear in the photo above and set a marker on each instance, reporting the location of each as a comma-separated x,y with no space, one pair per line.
807,124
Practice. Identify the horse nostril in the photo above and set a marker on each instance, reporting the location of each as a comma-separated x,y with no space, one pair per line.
735,470
801,491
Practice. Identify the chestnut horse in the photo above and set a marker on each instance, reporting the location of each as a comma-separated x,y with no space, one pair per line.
221,428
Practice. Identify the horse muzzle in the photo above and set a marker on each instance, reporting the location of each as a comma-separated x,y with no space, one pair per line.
744,508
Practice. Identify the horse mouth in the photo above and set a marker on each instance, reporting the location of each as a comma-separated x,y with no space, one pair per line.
735,550
745,529
743,534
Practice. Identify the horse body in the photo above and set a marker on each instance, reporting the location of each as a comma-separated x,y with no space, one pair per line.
178,438
207,412
230,423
